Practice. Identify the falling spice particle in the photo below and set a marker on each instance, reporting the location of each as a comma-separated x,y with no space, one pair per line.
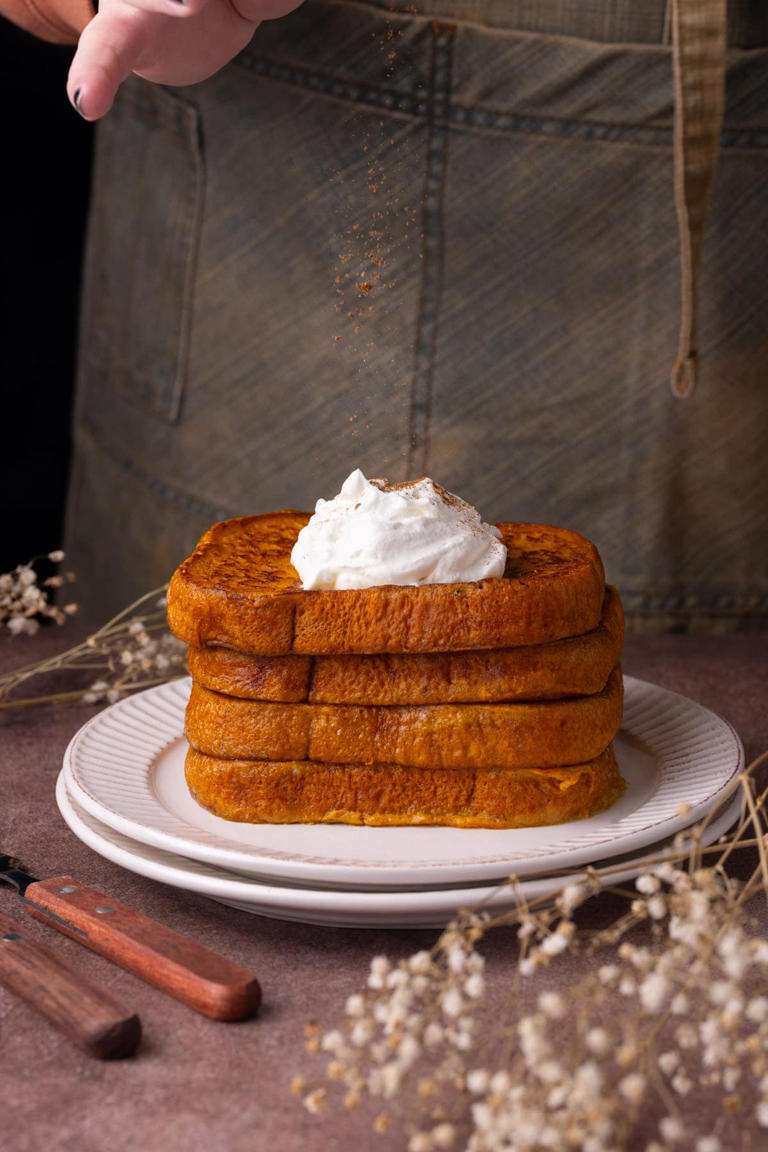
379,237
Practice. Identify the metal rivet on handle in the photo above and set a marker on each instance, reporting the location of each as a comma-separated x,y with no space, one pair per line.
11,936
68,888
103,909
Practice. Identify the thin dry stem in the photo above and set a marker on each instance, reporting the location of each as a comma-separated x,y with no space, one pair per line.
132,651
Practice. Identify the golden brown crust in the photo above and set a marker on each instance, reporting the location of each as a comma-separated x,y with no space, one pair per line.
576,666
285,679
305,792
519,735
238,588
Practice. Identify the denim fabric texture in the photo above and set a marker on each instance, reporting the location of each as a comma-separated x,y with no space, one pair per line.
438,243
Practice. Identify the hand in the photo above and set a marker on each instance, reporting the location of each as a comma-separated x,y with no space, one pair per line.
168,41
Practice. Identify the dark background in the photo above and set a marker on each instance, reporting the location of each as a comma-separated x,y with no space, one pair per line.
46,174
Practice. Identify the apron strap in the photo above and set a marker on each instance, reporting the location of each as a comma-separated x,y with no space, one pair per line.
698,52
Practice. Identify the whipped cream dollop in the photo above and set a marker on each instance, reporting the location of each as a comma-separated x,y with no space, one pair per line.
378,533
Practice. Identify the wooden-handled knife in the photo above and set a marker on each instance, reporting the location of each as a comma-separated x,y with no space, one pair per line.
198,977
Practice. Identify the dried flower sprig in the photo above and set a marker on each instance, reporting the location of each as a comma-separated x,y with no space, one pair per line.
686,1008
24,602
133,650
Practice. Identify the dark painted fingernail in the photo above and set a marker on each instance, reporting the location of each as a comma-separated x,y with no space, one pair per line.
76,100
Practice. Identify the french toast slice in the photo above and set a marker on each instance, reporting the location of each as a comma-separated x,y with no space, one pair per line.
388,794
575,666
542,734
239,589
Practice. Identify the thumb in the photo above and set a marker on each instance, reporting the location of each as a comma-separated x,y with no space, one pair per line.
108,50
258,10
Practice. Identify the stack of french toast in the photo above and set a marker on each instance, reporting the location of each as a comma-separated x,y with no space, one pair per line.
486,704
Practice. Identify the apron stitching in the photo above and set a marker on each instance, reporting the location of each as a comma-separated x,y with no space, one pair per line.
331,86
432,248
409,104
173,495
193,228
479,117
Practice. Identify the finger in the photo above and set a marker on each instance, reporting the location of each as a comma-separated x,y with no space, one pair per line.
109,48
256,10
177,8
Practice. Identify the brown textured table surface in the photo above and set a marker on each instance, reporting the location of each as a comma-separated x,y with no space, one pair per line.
200,1085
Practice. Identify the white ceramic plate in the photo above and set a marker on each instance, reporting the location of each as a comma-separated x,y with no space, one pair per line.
125,767
409,908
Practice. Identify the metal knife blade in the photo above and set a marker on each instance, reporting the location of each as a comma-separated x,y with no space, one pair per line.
191,973
12,871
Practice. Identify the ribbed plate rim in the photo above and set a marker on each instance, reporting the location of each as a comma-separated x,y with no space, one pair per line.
668,723
342,907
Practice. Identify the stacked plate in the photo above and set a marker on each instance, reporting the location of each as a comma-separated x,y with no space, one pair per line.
122,792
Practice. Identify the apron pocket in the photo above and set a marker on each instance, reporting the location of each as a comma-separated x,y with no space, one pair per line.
142,247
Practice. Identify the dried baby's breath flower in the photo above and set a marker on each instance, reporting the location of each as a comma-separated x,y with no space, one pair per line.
654,992
680,1004
668,1062
571,897
657,907
314,1101
598,1041
552,1004
443,1136
420,1142
132,651
632,1088
478,1080
672,1129
632,1035
647,884
25,601
681,1083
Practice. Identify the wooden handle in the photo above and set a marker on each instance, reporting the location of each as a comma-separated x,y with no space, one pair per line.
90,1017
193,974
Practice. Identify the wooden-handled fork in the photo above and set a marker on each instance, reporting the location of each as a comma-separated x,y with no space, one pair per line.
191,973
